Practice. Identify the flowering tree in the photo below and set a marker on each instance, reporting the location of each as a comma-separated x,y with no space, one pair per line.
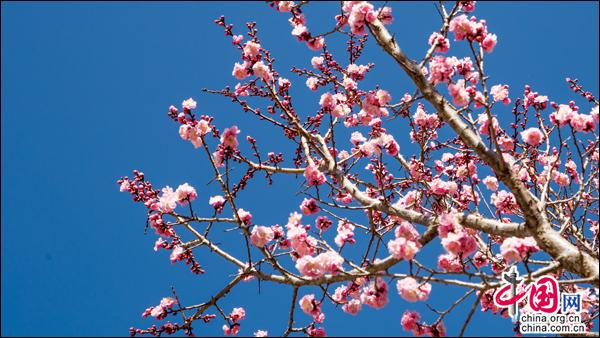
522,194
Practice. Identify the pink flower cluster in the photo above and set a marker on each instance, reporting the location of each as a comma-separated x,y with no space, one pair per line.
472,30
505,202
300,31
442,69
565,114
168,200
335,104
313,176
441,188
406,244
375,294
345,234
455,238
412,291
514,249
500,93
373,105
441,43
193,131
261,235
532,136
309,207
236,315
160,311
315,267
311,307
374,146
361,13
298,238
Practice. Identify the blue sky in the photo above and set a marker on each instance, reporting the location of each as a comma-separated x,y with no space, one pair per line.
85,89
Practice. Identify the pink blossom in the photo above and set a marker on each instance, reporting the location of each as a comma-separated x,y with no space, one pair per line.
480,259
460,95
168,200
236,39
124,186
407,230
323,223
461,27
441,69
491,183
327,101
316,43
217,201
313,176
231,331
229,137
375,294
505,202
594,113
450,263
317,62
261,70
159,243
345,233
410,320
177,254
261,235
237,314
514,249
459,243
500,93
506,142
532,136
312,83
562,115
352,307
582,122
251,49
189,104
309,305
442,44
245,216
240,71
262,333
285,6
309,207
489,42
440,188
402,248
484,124
185,193
561,179
411,290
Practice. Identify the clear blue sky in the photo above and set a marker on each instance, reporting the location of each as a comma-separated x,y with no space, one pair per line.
85,88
